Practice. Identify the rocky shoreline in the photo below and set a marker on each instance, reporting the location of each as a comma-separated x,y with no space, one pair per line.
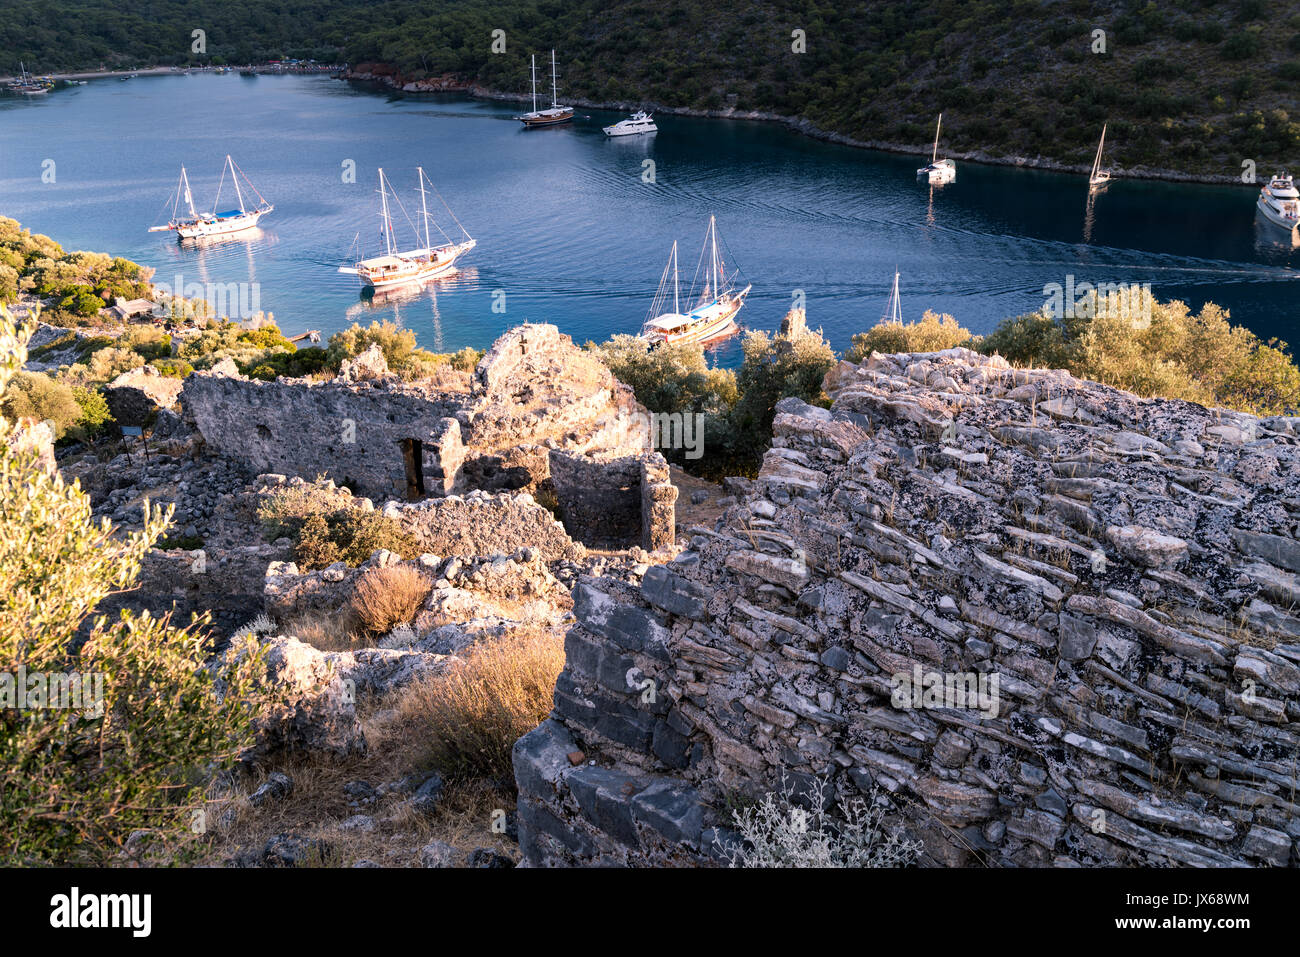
801,126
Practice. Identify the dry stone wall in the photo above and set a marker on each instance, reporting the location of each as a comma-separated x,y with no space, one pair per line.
1056,624
535,395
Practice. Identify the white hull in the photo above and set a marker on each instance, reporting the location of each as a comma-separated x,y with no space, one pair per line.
223,227
1276,216
717,320
612,131
417,268
938,176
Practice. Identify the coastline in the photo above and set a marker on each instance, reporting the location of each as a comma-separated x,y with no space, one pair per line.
807,128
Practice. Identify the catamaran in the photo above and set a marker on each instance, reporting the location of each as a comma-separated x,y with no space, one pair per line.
939,171
556,114
1099,178
1279,201
713,318
397,267
638,122
201,225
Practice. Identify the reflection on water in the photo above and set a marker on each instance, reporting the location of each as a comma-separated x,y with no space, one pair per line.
1273,242
570,233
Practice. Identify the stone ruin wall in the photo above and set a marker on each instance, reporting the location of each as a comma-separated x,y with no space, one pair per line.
1126,568
534,396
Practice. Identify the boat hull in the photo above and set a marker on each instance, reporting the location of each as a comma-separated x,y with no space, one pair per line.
937,177
536,122
715,321
615,131
224,227
420,271
1276,216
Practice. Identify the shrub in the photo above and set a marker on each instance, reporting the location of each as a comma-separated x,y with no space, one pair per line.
931,333
669,378
149,342
472,715
386,597
327,529
775,368
94,413
74,784
1172,353
176,368
778,832
397,344
107,364
336,631
36,395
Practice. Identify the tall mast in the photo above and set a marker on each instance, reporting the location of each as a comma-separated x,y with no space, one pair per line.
534,82
235,179
677,306
424,211
713,235
189,197
555,93
388,228
935,155
1096,165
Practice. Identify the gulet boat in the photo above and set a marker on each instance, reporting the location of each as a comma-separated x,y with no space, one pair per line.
553,116
715,315
398,267
202,225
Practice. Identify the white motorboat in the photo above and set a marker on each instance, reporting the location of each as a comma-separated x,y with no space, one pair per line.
638,122
1280,202
940,171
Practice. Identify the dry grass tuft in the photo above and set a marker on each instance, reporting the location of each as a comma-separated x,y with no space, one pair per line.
339,631
471,715
386,597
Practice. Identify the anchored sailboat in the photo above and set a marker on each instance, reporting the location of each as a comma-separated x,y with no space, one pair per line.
894,308
556,114
397,267
1099,178
939,171
214,224
713,318
26,84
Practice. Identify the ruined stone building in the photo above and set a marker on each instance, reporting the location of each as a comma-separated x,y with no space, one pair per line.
538,415
1120,573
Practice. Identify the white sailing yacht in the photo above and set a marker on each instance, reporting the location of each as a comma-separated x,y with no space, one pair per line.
200,225
894,307
396,266
550,117
713,318
1279,201
638,122
1099,178
939,171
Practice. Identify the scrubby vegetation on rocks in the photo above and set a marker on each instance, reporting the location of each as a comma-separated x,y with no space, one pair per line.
78,778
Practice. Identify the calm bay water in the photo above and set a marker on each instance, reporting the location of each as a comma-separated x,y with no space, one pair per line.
572,235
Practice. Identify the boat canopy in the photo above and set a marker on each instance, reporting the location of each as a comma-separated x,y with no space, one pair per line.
668,321
384,262
230,213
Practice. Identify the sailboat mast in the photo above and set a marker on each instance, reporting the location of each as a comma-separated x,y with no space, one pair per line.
1096,165
189,197
388,227
424,210
713,235
935,155
677,306
555,93
235,179
534,82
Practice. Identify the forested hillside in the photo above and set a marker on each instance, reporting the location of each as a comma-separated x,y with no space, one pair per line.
1191,85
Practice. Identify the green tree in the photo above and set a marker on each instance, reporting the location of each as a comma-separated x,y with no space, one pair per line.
75,784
